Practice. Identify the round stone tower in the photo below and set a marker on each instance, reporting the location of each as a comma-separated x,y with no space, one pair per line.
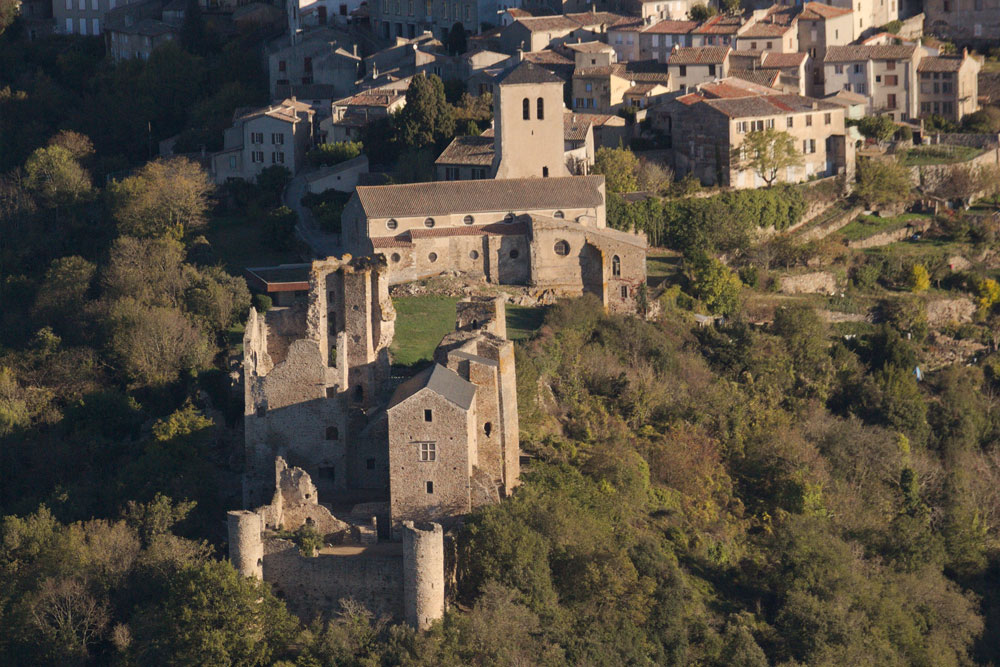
246,545
423,573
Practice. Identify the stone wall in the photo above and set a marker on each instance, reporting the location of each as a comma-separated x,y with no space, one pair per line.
819,282
832,225
314,586
885,238
928,177
959,139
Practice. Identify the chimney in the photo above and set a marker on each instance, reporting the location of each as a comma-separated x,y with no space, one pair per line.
520,53
355,50
965,53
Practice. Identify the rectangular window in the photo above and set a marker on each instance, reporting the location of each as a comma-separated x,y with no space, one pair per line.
857,68
809,120
891,101
83,5
683,70
589,87
977,30
69,26
277,138
891,80
93,5
770,123
281,157
428,415
945,87
282,66
741,127
232,162
428,451
890,65
827,118
69,4
839,69
430,487
95,25
711,70
370,464
925,107
83,26
789,122
878,78
624,291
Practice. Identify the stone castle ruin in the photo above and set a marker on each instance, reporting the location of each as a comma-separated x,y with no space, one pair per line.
393,465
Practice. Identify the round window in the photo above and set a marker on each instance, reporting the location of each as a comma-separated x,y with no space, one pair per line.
509,217
561,248
514,254
559,214
468,220
395,257
429,222
473,255
432,257
391,223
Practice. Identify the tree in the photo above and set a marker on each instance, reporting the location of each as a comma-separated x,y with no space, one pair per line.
879,128
731,7
427,118
653,176
717,286
331,154
768,152
63,293
9,9
882,182
984,121
147,270
701,13
79,145
456,42
920,279
56,178
215,297
165,198
619,166
212,615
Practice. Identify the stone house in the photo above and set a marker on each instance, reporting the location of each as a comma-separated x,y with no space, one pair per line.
536,33
775,31
342,177
720,30
821,26
642,95
656,41
279,135
690,66
964,21
82,17
591,54
707,127
866,15
602,90
465,158
664,10
949,85
391,19
623,37
350,116
313,62
578,143
136,29
784,71
885,73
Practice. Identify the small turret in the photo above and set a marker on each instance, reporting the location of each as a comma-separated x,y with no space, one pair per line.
423,573
246,545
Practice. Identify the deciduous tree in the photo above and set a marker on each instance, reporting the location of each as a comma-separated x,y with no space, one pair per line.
165,198
882,182
768,153
619,166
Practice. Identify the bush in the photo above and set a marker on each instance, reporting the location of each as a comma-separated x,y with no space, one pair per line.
331,154
262,303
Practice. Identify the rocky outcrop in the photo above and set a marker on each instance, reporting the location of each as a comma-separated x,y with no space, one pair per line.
946,311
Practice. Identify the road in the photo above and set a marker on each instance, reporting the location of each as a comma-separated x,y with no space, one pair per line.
321,243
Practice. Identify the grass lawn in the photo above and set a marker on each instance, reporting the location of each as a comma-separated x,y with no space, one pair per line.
662,265
865,226
421,323
237,243
524,321
941,154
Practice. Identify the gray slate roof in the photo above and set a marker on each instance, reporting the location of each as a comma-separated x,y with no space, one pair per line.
528,72
507,194
441,381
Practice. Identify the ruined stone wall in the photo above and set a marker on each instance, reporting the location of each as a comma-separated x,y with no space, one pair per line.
449,472
482,312
315,586
819,282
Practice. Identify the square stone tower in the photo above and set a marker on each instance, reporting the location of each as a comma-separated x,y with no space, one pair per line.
528,123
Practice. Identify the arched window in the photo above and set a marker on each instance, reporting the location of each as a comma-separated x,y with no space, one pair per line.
559,214
468,220
545,172
526,109
428,223
561,248
332,433
359,393
541,108
616,266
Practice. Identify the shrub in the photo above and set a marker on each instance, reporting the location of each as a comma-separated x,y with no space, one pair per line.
331,154
262,303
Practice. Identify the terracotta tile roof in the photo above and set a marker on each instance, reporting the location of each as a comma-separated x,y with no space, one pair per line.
514,194
590,47
846,98
783,60
468,150
547,57
816,11
768,105
720,25
400,241
518,13
690,99
642,88
527,72
699,55
371,98
547,23
765,29
671,27
598,119
575,127
585,19
516,228
940,64
854,53
629,24
756,82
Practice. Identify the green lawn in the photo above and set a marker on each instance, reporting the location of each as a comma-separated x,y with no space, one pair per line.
524,321
941,154
421,323
237,243
865,226
661,266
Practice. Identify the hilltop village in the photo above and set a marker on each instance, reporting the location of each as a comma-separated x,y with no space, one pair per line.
534,332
